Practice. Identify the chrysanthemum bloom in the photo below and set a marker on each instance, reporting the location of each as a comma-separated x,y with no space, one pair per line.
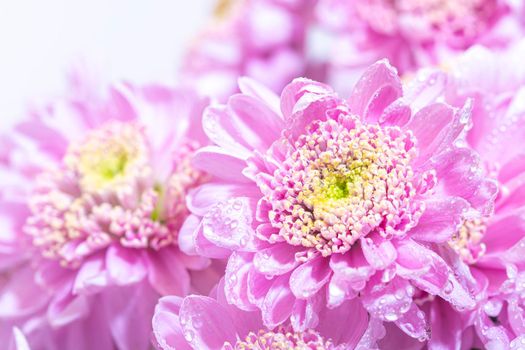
199,322
325,197
249,38
93,196
492,246
412,33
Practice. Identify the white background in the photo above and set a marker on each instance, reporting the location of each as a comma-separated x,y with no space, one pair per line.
136,40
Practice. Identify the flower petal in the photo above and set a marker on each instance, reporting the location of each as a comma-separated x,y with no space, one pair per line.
307,279
167,329
166,273
124,265
277,259
219,162
278,303
206,324
236,280
378,87
129,310
440,220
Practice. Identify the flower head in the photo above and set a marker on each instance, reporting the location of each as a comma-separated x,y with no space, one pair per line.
97,198
243,41
198,322
412,34
489,244
334,200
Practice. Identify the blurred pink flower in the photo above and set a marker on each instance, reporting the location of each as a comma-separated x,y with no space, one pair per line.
262,39
199,322
93,198
320,200
412,34
491,244
488,245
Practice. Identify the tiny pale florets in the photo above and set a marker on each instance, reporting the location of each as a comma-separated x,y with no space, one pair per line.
105,191
467,242
343,180
283,338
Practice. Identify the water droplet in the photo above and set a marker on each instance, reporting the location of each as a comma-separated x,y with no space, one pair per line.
391,316
449,287
243,241
189,335
197,321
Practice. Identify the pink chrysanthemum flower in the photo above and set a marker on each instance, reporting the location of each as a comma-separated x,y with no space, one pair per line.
199,322
330,199
492,245
412,33
94,198
243,41
487,245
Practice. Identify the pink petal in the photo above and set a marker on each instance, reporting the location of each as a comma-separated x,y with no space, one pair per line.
206,248
229,224
503,233
193,262
218,162
89,332
124,265
352,267
378,87
277,259
49,140
66,307
307,279
188,234
92,276
345,324
21,296
129,310
396,339
202,199
424,267
304,101
166,273
378,252
236,280
258,287
512,196
414,324
252,88
218,125
447,326
166,326
460,172
428,271
388,302
430,126
296,89
245,321
425,89
278,303
304,314
512,169
20,341
440,220
206,324
259,125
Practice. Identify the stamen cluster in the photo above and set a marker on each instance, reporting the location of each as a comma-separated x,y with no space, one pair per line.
283,338
104,192
343,180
